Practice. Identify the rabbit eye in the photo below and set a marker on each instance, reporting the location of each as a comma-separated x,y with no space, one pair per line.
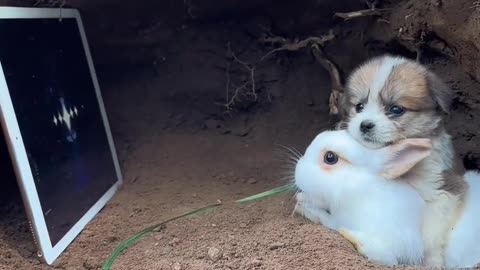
330,158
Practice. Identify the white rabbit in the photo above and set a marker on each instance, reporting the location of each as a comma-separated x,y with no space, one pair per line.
463,247
350,189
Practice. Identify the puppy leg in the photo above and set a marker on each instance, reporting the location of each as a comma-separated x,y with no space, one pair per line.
436,228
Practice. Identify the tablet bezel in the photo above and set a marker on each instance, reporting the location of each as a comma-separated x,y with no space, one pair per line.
11,129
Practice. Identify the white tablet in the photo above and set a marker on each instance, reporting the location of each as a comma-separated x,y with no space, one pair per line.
55,124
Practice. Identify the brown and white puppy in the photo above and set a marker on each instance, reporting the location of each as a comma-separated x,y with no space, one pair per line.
390,98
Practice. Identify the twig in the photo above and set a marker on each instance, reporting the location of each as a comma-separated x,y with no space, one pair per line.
475,4
249,86
419,45
227,86
371,5
315,44
236,93
335,79
360,13
418,50
289,45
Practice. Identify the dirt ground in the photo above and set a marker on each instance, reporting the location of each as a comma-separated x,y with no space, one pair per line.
180,150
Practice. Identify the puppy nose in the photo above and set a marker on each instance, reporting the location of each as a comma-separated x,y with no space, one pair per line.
366,126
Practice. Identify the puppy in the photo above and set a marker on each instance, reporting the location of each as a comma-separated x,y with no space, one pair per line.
391,98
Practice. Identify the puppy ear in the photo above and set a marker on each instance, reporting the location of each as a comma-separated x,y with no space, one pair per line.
404,155
343,104
441,93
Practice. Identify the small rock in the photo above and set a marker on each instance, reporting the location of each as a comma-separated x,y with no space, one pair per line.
276,245
90,265
158,236
111,239
177,266
214,254
255,262
174,242
252,181
437,3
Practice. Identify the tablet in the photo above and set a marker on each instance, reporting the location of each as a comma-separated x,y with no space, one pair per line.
55,125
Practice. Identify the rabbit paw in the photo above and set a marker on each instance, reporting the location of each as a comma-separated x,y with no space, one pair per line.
347,235
315,214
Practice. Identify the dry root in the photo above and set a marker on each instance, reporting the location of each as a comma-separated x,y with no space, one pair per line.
247,88
475,5
335,80
359,13
294,45
315,44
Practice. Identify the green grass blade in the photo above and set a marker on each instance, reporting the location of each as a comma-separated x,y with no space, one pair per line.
269,193
130,241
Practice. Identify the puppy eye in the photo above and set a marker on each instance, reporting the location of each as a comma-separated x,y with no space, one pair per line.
396,110
359,107
330,158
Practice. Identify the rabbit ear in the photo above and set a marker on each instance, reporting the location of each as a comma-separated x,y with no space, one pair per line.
404,155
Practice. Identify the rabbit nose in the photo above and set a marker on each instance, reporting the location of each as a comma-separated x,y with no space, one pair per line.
366,126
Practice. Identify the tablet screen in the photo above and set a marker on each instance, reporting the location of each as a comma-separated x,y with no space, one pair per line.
59,117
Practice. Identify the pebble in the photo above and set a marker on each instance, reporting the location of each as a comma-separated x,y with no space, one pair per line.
158,236
255,262
276,245
177,266
252,181
175,241
214,254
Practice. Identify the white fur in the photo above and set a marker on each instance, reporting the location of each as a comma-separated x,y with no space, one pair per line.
463,249
383,216
373,110
382,74
426,178
441,206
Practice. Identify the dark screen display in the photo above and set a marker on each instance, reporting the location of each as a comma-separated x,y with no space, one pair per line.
59,117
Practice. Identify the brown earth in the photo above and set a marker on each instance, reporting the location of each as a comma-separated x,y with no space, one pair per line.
179,150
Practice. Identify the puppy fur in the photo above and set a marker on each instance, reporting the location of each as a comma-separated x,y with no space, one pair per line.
399,98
